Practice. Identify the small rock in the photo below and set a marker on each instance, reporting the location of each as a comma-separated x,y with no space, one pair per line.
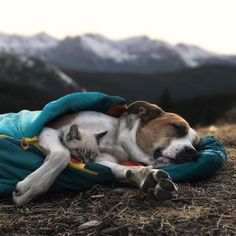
213,129
89,224
97,196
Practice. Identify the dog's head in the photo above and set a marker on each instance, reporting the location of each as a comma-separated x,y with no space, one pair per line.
165,136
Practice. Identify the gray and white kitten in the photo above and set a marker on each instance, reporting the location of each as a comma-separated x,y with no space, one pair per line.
82,144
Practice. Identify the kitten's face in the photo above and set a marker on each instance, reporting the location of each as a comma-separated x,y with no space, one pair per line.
82,144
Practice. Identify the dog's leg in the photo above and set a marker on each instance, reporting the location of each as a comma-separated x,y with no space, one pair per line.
40,180
152,182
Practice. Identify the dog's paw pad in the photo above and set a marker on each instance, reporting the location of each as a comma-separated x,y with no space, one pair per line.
161,174
22,193
167,185
129,174
149,183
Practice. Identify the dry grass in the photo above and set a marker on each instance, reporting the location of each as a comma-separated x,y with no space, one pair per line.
207,208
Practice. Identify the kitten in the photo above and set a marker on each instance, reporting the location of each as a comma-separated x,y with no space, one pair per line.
82,144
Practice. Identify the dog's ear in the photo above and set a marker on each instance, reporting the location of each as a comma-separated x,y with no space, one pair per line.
73,133
145,110
100,135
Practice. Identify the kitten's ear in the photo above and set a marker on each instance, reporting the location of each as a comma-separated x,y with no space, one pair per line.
73,133
100,135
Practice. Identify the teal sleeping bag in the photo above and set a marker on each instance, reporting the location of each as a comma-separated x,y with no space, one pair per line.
16,163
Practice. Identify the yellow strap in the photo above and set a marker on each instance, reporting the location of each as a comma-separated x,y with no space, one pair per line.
25,142
6,136
31,140
81,166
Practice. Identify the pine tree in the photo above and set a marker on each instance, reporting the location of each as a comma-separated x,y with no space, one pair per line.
166,100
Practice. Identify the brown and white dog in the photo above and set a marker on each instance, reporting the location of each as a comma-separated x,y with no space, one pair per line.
144,134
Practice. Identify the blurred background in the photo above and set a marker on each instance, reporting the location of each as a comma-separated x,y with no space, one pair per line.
178,54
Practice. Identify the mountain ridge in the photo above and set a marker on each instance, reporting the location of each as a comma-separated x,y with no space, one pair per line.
92,52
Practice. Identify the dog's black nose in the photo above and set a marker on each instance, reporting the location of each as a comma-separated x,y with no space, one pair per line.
186,154
189,151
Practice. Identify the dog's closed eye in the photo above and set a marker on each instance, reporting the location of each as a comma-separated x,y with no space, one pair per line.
181,130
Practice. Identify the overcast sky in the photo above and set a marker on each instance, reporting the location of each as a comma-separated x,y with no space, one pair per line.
210,24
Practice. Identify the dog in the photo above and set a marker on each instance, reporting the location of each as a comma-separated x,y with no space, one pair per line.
145,133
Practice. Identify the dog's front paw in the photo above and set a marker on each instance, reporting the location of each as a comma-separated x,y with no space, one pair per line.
25,191
22,193
159,185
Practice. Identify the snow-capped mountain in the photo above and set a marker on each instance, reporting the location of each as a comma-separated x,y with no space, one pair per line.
92,52
193,55
26,45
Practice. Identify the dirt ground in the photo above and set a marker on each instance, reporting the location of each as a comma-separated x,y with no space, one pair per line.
206,208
